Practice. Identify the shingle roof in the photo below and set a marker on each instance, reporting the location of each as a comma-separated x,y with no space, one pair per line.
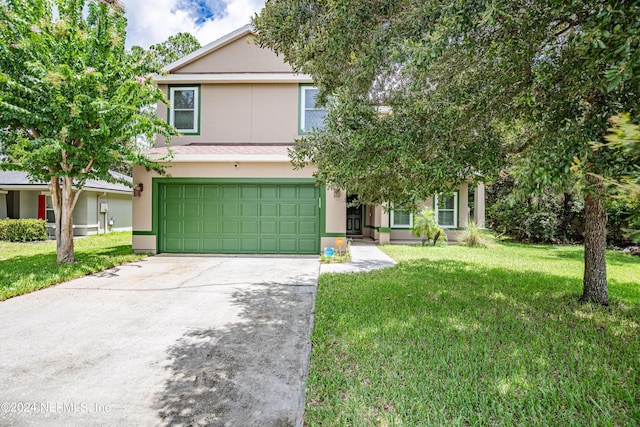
225,149
22,178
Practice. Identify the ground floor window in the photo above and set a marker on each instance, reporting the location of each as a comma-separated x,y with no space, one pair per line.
401,219
447,210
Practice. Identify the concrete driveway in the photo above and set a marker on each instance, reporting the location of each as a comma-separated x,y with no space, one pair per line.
217,341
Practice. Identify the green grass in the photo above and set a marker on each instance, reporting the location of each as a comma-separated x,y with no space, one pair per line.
26,267
454,335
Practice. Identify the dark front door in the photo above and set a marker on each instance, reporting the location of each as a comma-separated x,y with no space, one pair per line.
354,216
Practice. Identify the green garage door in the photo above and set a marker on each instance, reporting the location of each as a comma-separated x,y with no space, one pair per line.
239,218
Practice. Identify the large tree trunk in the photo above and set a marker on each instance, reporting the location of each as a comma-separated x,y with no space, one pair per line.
595,242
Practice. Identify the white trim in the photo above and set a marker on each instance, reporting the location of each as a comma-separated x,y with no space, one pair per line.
393,221
196,105
45,189
214,45
233,78
455,211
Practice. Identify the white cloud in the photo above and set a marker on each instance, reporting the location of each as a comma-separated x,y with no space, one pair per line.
153,21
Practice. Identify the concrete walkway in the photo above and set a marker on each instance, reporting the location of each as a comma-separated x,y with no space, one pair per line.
365,256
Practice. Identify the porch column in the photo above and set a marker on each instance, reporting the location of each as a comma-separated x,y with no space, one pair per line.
385,227
3,204
479,206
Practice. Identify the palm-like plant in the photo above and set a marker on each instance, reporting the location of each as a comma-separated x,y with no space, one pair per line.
426,227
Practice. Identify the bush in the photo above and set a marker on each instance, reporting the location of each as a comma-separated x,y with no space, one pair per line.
471,236
426,227
23,230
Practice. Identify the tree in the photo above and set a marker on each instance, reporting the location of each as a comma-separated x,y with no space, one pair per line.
70,101
472,86
426,227
162,54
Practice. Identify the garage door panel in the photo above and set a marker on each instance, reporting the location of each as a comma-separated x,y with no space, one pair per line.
239,218
268,227
192,245
230,210
307,210
193,192
175,227
174,209
288,192
210,227
268,209
307,245
288,227
268,245
288,209
249,192
250,246
231,245
230,192
173,192
193,227
288,246
249,210
249,227
268,192
230,227
308,228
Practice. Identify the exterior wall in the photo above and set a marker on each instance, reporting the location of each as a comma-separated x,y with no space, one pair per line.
239,56
243,113
120,211
29,203
453,235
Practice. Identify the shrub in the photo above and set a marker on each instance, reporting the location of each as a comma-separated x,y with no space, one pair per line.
471,236
23,230
426,227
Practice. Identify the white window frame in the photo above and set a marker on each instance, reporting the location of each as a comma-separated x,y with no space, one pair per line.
393,221
196,108
455,211
304,109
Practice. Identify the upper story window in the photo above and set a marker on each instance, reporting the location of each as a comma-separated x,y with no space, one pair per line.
401,219
184,113
447,210
311,115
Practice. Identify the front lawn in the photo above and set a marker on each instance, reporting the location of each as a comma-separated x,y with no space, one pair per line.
474,336
25,267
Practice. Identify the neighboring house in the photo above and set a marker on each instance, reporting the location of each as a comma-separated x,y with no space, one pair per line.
99,203
230,186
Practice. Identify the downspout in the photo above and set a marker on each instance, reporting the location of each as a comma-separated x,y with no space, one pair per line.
98,213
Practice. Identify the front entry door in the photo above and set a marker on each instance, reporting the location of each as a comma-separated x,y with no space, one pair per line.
354,217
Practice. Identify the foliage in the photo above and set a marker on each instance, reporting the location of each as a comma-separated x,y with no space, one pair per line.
425,226
547,217
472,336
26,267
23,230
71,102
471,235
154,59
472,86
624,138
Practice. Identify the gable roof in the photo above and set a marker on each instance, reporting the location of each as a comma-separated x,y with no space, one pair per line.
187,71
12,179
211,47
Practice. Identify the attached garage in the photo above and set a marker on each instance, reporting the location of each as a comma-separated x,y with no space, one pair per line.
238,217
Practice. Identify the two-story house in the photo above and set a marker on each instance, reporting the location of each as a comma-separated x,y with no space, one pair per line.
231,187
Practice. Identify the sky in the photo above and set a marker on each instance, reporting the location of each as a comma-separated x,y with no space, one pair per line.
153,21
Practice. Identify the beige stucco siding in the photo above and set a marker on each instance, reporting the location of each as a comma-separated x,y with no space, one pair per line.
239,56
243,113
336,211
